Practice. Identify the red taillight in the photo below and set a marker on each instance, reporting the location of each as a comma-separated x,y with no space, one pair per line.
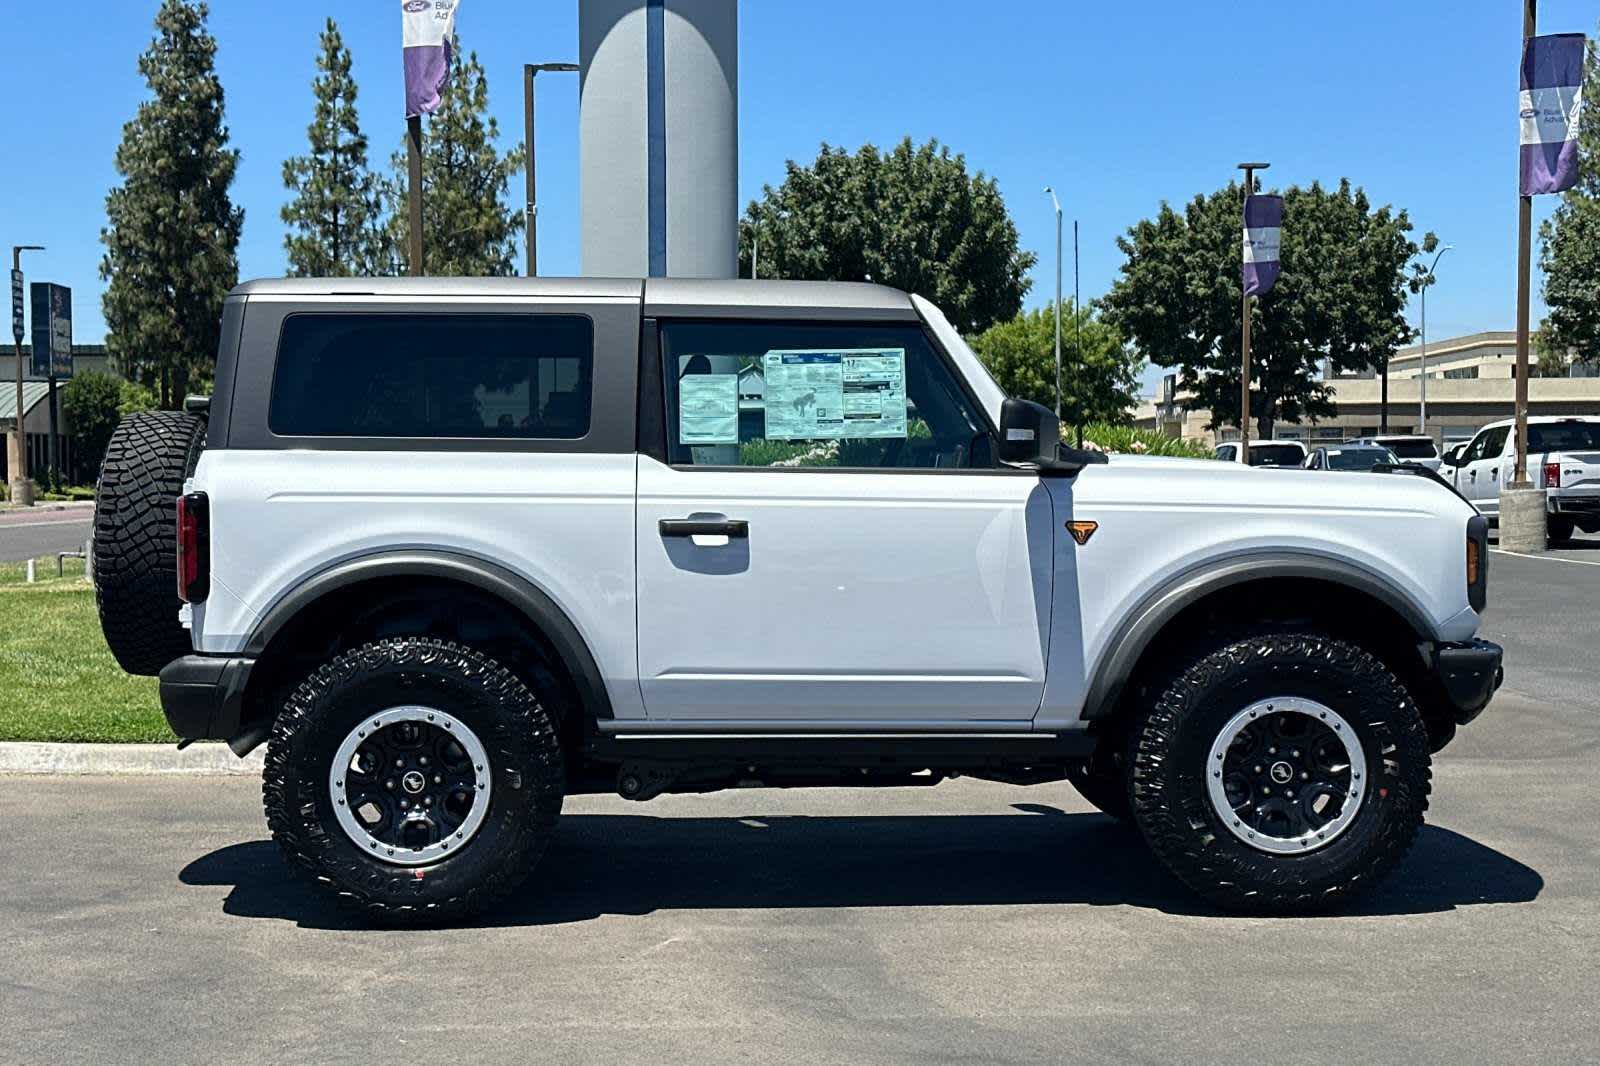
194,547
1552,475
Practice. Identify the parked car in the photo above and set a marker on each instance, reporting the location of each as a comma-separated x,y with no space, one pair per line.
1408,449
1563,459
455,549
1349,457
1266,453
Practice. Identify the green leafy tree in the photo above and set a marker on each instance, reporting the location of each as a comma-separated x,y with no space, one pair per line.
912,218
335,219
468,228
1099,380
1341,298
90,402
172,234
1569,254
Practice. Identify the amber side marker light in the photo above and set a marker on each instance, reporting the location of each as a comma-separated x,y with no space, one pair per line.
1474,562
1082,531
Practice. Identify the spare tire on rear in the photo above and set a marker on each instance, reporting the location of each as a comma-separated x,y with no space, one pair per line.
136,537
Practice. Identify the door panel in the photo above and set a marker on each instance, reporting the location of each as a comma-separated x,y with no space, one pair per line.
851,597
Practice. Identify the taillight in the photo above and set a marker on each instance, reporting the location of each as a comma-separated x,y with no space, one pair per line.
194,547
1552,475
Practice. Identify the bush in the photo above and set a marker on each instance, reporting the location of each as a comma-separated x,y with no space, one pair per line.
1129,440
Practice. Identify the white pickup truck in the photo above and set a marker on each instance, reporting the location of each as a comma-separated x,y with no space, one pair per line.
456,549
1563,459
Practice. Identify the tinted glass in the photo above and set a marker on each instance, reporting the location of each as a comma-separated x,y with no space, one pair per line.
775,394
1564,437
1357,458
433,375
1413,449
1276,455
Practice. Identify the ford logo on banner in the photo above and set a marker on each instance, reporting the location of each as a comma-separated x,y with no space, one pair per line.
418,6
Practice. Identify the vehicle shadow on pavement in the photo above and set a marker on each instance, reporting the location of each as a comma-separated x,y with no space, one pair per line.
637,864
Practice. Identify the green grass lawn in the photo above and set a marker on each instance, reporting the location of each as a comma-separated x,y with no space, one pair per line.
58,680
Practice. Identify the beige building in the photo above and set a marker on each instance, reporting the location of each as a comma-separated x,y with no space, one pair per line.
1470,382
36,406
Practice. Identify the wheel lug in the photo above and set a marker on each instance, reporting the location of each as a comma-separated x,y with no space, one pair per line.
389,784
424,760
1295,753
1304,776
1264,792
1272,751
399,762
438,780
1258,769
427,801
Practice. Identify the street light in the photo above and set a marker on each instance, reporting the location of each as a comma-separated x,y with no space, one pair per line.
19,449
1050,191
1426,281
529,72
1244,345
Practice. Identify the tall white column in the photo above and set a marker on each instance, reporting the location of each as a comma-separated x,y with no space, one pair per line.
659,137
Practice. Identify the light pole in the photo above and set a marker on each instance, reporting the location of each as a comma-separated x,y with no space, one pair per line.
529,72
19,440
1244,347
1427,282
1051,192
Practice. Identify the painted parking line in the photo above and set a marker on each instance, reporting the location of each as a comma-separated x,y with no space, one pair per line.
1547,558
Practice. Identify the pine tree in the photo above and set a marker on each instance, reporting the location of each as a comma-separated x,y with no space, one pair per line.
335,224
468,228
172,234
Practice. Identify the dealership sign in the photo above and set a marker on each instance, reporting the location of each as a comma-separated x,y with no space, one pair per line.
52,330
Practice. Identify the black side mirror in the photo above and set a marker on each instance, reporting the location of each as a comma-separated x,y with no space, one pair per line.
1452,456
1030,436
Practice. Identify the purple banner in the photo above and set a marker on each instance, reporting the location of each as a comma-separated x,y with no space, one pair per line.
429,27
1550,104
1263,231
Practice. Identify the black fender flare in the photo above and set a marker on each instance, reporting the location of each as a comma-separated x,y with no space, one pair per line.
1146,621
518,592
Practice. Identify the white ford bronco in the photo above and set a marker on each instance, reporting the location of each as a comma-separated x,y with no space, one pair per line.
456,549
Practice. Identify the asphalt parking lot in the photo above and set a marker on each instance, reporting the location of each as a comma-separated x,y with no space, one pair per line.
150,920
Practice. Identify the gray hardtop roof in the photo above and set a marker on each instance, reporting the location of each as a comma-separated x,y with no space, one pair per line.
674,297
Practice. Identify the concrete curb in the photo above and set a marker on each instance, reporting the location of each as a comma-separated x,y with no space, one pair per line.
200,760
7,507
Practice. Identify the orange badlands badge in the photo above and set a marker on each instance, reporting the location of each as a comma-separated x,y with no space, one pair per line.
1082,531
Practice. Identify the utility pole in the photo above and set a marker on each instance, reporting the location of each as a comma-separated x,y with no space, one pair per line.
530,71
1519,478
1244,310
20,489
1077,311
414,173
1050,191
1427,283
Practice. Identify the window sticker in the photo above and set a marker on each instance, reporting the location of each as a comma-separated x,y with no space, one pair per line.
708,409
849,394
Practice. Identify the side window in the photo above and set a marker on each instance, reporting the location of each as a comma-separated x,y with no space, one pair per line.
776,394
1476,449
1494,442
433,375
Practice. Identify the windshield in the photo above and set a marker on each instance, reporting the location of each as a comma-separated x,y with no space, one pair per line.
1413,449
1564,436
1358,458
1276,455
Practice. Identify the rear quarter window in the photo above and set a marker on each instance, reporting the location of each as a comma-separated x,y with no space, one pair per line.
434,375
1564,437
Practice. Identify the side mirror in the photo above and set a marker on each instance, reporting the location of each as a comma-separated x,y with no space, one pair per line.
1030,436
1452,456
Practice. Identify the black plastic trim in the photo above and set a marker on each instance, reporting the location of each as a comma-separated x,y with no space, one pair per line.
1146,621
203,695
481,574
1469,674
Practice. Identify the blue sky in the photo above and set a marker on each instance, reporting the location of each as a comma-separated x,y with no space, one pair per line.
1119,109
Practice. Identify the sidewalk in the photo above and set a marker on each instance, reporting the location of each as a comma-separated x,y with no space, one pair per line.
9,508
198,760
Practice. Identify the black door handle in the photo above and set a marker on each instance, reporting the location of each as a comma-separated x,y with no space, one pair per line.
736,528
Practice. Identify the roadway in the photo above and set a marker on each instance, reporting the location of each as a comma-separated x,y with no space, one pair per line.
29,534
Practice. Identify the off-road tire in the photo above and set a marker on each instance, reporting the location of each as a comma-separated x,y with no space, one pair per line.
527,784
136,537
1172,745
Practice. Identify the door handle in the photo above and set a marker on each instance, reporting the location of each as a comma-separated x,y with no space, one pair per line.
734,528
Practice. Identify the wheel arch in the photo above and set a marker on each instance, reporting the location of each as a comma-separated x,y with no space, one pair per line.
1164,617
306,616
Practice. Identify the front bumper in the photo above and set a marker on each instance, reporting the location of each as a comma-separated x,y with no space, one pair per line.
1468,675
203,696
